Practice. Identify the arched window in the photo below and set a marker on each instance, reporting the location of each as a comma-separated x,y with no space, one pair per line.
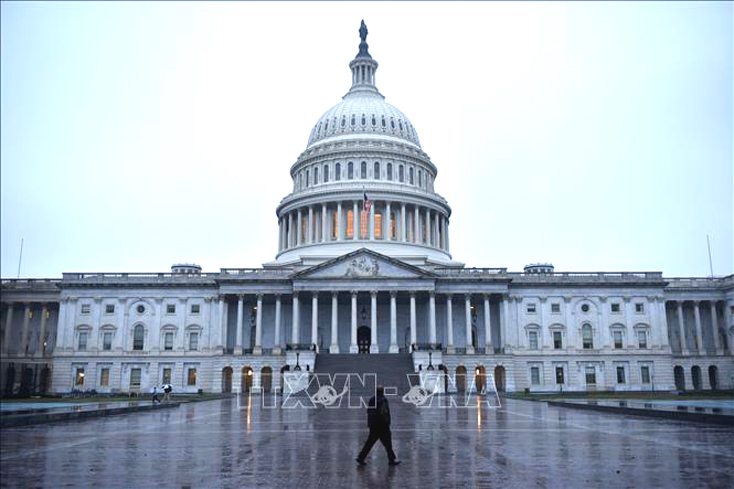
389,171
300,180
326,127
315,175
383,121
338,172
374,120
392,124
588,336
350,170
138,334
308,178
326,173
410,175
354,119
377,170
344,120
420,178
364,120
401,174
400,123
363,170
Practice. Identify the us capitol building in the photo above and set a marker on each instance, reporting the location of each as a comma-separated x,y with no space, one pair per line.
364,266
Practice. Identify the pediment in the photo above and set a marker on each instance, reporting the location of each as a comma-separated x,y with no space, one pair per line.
364,264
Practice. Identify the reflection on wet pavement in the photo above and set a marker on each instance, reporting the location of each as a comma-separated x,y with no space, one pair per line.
237,443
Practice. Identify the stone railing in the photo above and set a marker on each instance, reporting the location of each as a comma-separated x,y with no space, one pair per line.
31,283
360,186
139,278
469,272
700,282
589,277
255,272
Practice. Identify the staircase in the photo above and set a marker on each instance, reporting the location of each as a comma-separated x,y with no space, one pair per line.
392,370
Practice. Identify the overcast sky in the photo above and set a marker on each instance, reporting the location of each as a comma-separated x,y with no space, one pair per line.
596,136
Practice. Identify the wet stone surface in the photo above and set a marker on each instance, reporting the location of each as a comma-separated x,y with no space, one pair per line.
236,443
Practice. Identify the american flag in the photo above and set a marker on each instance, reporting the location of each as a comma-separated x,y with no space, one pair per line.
367,203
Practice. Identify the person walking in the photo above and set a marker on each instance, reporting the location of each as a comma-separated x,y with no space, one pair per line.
154,392
378,421
167,389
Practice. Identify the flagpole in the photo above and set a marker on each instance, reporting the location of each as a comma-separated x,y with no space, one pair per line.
711,264
20,258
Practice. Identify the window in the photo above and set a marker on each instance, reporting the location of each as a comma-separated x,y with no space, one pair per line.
354,119
615,307
109,309
642,339
30,314
617,340
590,375
535,375
168,341
82,346
326,174
104,377
585,308
410,175
138,333
135,378
364,120
166,378
363,170
555,308
401,173
376,171
533,340
171,309
140,309
195,308
560,377
107,341
315,175
620,375
194,341
374,121
420,178
557,340
350,170
350,225
79,377
639,308
389,171
344,120
531,308
645,374
85,308
338,172
588,336
191,380
308,177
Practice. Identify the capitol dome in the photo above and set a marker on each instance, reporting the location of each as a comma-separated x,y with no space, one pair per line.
363,181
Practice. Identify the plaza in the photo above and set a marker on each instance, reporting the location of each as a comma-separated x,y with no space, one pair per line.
237,443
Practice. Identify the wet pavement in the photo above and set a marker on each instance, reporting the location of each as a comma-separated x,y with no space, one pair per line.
234,443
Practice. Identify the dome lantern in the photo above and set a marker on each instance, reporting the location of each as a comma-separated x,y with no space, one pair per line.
363,67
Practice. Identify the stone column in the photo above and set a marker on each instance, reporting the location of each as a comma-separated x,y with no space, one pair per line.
403,233
432,318
450,324
487,327
662,323
413,332
353,348
355,221
373,322
505,325
334,348
727,326
8,327
715,328
276,338
437,231
71,314
417,224
446,227
299,226
467,311
258,348
310,226
292,236
238,335
386,221
682,329
324,224
61,327
371,223
699,337
315,320
393,323
295,330
428,227
40,348
26,321
339,222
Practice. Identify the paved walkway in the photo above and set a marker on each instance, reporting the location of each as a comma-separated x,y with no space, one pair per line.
230,443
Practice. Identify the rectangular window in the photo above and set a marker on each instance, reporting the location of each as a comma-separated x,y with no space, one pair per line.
378,225
79,377
104,377
166,379
170,308
642,339
86,308
334,226
617,340
194,341
555,308
168,341
350,224
615,307
531,308
590,376
393,227
557,340
535,375
82,341
195,308
645,374
135,374
191,380
107,341
109,308
364,219
560,377
533,340
639,307
620,375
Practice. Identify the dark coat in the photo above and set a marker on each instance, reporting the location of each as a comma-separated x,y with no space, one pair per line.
378,413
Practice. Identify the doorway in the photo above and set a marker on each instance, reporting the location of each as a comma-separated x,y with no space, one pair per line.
364,338
227,379
499,378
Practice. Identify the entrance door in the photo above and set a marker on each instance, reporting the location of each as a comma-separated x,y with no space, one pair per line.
364,338
499,378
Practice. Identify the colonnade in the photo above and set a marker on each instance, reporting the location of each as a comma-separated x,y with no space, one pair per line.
715,329
347,220
24,341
